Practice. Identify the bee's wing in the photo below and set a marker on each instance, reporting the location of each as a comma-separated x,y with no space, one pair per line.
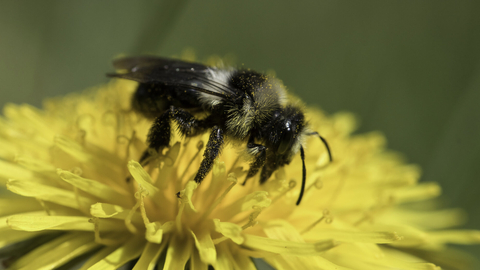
147,69
144,63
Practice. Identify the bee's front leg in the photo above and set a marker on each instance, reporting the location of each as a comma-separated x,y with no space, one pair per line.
260,156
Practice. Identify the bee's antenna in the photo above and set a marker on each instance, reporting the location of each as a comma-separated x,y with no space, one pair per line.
325,143
304,175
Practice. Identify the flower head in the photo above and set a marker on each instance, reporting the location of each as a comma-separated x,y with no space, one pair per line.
76,190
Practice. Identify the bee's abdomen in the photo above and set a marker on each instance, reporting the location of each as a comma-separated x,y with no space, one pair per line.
149,101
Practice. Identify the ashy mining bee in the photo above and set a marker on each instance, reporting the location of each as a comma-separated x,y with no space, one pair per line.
239,104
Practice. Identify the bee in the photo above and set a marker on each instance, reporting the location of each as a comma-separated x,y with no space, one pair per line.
236,104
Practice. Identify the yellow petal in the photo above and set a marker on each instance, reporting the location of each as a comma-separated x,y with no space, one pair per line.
35,164
351,256
10,170
229,230
223,261
196,263
378,237
123,254
56,252
216,185
32,117
150,255
282,230
94,159
97,189
48,193
178,253
205,247
238,259
142,177
410,236
9,236
256,200
287,262
105,210
186,195
8,149
40,222
98,256
432,219
164,178
449,258
463,237
419,192
10,206
72,148
156,230
285,247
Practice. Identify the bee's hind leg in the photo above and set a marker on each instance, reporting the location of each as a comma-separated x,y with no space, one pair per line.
160,132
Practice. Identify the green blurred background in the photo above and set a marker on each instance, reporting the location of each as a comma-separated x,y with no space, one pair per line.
407,68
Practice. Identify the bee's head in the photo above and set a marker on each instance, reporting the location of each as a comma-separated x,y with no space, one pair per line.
288,131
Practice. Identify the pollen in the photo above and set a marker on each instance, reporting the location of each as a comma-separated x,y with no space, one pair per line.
77,190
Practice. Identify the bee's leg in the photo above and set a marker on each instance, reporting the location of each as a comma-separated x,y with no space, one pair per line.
159,134
271,165
214,146
260,153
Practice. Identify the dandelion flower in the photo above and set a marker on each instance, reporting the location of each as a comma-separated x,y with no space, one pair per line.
77,192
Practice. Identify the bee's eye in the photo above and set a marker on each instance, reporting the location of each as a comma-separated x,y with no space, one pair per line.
248,97
286,139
